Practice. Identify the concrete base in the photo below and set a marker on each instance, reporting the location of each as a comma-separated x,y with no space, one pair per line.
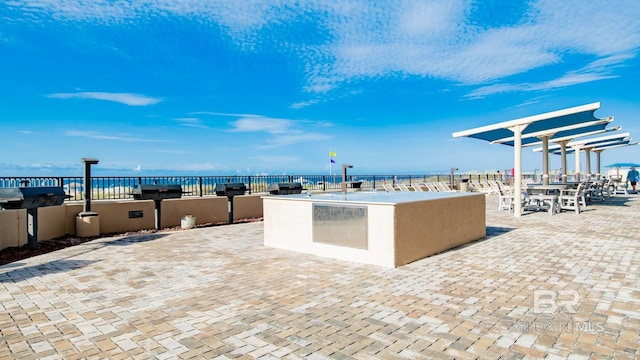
87,224
400,227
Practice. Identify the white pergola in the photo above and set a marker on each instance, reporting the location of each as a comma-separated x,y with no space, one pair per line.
596,145
558,126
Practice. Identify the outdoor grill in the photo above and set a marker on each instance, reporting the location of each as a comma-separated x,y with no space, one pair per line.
31,198
157,193
285,188
230,190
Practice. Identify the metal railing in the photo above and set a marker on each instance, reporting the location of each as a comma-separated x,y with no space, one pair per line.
120,187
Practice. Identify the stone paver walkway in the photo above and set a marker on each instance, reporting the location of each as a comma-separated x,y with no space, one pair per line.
541,286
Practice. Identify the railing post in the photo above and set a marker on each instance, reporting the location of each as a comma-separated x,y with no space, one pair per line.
249,184
200,185
374,182
324,183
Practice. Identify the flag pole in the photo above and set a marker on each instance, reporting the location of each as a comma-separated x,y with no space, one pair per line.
330,162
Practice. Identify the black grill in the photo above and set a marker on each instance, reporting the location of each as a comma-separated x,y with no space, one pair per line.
31,198
230,189
285,188
157,193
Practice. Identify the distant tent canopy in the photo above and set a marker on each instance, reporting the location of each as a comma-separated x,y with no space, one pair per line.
623,164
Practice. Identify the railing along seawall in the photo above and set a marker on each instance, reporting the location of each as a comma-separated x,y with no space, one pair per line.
120,187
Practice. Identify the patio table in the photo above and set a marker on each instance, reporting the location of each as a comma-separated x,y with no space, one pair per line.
543,197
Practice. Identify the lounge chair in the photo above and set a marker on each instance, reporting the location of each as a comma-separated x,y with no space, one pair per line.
443,187
403,187
388,188
416,187
431,186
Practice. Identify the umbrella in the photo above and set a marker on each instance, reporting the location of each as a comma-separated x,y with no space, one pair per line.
619,165
623,165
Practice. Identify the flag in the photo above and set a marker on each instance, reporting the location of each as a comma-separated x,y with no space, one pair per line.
332,154
333,161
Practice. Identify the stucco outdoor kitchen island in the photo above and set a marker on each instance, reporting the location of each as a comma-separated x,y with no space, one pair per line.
381,228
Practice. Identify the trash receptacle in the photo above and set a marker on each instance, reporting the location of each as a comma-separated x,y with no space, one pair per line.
463,185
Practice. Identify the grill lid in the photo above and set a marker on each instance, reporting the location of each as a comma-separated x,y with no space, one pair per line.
285,188
157,192
230,189
32,197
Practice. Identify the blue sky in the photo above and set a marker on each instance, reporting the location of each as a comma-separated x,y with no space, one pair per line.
270,87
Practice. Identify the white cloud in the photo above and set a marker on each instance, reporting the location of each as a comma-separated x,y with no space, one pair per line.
123,98
198,167
101,136
270,125
586,75
303,104
191,122
290,139
283,131
213,113
371,40
179,152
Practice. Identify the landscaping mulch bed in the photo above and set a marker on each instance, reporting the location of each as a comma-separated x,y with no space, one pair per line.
13,254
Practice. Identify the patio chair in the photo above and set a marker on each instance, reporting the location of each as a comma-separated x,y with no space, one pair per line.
620,185
503,186
403,187
431,186
507,202
595,191
489,188
388,187
572,199
610,189
416,187
443,187
475,186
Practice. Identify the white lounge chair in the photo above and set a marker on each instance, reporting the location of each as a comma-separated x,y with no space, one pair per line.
403,187
388,187
443,187
431,186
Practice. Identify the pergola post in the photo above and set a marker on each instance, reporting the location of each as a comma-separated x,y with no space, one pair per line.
598,162
577,154
563,154
545,159
587,155
517,168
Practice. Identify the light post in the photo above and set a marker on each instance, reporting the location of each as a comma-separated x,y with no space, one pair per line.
87,222
344,176
452,183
